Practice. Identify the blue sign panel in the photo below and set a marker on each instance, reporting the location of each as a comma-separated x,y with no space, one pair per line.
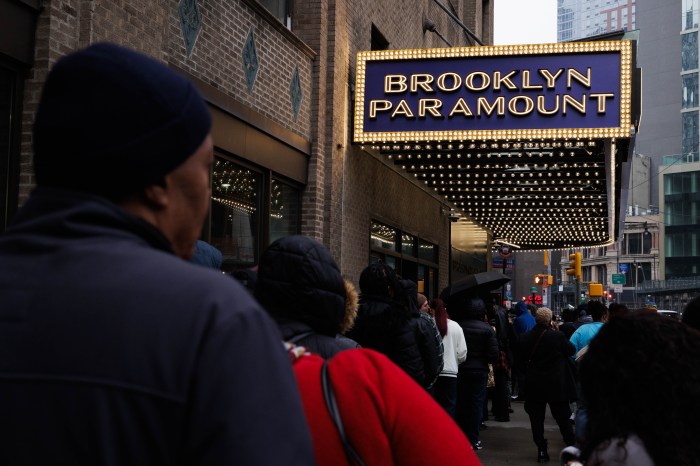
622,268
561,90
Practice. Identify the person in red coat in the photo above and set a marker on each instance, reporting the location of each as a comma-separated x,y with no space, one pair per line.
387,417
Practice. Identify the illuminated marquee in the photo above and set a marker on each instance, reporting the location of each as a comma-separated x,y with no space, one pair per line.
550,91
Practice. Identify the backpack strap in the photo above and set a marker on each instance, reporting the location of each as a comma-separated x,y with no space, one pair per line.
352,455
299,337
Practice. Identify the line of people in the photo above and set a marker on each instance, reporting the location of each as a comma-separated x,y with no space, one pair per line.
116,349
632,374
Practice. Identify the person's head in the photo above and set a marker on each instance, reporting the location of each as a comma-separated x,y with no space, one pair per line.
520,308
409,293
207,255
582,310
441,316
543,316
617,310
569,315
468,307
379,280
531,308
423,304
641,375
691,313
299,280
118,124
597,310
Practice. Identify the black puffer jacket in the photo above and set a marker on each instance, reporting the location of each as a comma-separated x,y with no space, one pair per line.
300,285
482,346
384,325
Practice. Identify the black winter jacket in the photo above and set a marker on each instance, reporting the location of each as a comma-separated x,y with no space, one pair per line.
300,285
547,375
384,325
482,346
114,351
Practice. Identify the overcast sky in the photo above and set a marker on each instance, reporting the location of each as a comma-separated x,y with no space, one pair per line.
525,21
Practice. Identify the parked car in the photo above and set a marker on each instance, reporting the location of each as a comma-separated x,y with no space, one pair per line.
673,314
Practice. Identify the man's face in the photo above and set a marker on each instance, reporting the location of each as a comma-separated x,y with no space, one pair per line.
190,196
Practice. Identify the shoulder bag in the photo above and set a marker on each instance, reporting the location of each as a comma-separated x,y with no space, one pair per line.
352,455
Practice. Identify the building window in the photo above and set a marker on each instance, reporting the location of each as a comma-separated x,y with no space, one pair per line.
689,51
410,256
285,202
245,216
236,214
691,135
280,9
10,123
690,91
690,14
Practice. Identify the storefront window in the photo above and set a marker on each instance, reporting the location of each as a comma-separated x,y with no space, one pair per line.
235,214
284,210
427,251
382,236
408,244
410,256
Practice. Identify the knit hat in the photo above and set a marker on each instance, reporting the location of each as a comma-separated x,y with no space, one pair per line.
543,315
112,121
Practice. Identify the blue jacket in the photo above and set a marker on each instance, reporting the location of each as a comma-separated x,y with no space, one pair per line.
584,334
524,321
114,351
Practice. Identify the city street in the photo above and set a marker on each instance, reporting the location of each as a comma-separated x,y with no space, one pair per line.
510,443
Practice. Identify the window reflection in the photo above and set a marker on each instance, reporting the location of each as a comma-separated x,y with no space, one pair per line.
235,213
284,210
383,236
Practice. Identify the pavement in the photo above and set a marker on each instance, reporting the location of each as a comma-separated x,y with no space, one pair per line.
510,443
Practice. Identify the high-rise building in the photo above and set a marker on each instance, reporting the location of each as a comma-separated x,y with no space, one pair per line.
578,19
660,245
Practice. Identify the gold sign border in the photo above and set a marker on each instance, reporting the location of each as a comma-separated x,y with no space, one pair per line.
623,131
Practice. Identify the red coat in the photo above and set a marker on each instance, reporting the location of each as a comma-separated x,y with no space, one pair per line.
389,418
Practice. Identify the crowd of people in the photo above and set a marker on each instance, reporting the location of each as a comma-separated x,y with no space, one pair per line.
121,342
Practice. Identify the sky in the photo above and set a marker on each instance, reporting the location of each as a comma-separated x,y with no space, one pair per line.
525,21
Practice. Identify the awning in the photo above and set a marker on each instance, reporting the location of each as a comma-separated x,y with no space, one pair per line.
496,141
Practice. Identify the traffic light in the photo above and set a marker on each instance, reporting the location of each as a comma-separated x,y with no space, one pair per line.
574,269
543,279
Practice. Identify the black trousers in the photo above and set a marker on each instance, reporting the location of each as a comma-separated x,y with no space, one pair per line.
560,412
501,394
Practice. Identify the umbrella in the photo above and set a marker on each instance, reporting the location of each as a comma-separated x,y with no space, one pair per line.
474,285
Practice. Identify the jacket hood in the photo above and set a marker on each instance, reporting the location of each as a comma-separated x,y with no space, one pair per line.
299,280
520,308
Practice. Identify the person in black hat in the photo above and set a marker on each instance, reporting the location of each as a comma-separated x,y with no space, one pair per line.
114,348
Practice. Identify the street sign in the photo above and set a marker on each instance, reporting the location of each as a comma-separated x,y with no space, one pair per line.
617,288
619,278
533,289
623,268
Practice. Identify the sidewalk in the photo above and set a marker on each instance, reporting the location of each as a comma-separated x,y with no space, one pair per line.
510,443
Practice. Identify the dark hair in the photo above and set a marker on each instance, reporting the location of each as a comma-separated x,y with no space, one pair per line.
641,376
441,315
597,310
617,310
691,313
379,279
569,315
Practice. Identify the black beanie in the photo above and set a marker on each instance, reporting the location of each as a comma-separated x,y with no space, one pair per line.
112,121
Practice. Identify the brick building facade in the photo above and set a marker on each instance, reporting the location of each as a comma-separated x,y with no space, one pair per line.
280,84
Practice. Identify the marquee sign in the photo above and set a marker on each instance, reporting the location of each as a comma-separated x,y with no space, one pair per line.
544,91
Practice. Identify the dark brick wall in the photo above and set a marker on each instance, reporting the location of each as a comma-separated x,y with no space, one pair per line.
347,186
